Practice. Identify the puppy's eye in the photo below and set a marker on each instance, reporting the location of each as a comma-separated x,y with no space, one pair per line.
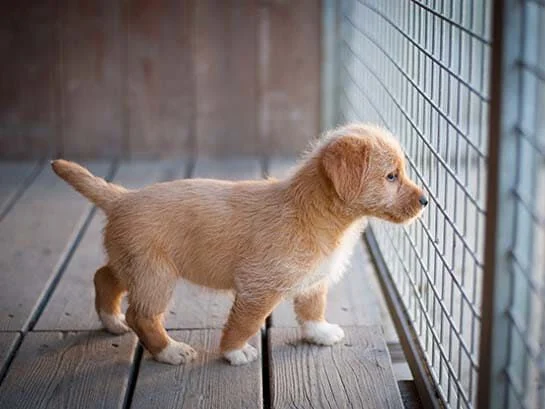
392,177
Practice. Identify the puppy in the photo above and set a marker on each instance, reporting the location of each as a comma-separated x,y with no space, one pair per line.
263,240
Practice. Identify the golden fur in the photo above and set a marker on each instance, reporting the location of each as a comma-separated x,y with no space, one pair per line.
263,240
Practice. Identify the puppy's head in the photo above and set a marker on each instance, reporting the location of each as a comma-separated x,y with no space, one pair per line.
366,168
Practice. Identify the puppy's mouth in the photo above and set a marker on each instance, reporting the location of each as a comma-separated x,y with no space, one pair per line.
405,219
413,218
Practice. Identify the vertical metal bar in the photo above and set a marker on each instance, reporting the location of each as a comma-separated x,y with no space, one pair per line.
328,97
501,205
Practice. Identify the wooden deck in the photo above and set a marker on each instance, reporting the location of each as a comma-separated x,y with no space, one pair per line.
53,353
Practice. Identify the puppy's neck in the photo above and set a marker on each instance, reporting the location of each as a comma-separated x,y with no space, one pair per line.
317,205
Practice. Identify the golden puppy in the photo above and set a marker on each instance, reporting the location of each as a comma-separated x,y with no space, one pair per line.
264,240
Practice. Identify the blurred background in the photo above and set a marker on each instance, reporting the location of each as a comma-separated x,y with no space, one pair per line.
158,78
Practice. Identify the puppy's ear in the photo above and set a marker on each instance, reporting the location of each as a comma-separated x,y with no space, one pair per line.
345,162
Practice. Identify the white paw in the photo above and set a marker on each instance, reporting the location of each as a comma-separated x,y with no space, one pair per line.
176,353
113,323
322,333
241,356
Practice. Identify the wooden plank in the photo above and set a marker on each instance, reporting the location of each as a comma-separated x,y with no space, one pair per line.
28,96
8,340
208,382
193,306
289,66
92,81
35,237
225,56
71,306
161,94
356,373
13,179
69,370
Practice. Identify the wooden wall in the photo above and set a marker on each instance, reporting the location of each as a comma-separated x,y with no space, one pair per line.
154,78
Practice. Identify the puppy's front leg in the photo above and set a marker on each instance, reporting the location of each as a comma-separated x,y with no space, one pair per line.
245,319
310,311
152,334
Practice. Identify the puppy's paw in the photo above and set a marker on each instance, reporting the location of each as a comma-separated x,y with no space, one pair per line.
176,353
322,332
241,356
114,323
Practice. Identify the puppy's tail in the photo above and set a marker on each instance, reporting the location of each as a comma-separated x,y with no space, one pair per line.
94,188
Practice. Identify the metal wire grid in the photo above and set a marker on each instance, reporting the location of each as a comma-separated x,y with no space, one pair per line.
421,69
525,369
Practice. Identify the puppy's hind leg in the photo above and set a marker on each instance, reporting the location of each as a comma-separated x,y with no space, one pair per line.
108,295
310,311
148,299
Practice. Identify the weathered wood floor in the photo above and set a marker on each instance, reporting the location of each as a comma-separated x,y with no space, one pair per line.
53,353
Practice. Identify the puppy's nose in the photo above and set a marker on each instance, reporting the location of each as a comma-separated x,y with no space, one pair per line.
423,200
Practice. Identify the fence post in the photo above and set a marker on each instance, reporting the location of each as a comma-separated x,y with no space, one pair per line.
499,282
328,97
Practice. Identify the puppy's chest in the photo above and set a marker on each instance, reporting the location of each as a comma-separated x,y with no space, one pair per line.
333,265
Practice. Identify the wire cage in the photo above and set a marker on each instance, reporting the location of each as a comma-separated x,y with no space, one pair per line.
469,277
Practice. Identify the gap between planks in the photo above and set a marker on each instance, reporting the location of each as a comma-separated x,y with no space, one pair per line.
18,177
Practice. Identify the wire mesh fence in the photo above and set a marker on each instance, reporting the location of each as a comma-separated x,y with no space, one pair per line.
422,70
